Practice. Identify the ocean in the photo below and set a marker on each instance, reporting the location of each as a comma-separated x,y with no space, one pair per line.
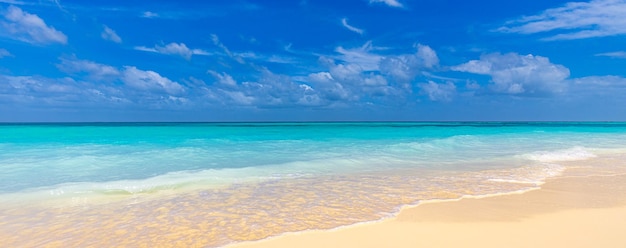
213,184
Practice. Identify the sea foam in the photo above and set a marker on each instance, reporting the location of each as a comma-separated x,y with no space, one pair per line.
571,154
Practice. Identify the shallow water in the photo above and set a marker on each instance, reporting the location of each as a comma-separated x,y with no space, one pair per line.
212,184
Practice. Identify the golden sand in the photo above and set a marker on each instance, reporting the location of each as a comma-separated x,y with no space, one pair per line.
566,212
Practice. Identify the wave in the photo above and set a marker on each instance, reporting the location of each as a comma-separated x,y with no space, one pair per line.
572,154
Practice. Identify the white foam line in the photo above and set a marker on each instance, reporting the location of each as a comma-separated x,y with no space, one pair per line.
390,216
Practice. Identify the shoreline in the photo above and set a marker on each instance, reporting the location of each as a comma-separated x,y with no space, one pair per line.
567,210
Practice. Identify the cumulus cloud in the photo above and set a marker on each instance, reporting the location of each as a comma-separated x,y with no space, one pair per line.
274,90
574,20
618,54
519,74
364,57
427,56
150,81
438,92
23,26
270,90
147,81
109,34
93,70
329,88
345,24
95,84
405,67
349,82
390,3
361,73
173,48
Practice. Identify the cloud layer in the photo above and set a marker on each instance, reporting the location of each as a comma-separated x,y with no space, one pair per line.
305,58
179,49
390,3
575,20
618,54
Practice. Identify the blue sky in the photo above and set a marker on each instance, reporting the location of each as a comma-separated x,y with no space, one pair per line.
309,60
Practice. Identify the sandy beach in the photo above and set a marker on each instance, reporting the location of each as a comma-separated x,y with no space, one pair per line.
569,211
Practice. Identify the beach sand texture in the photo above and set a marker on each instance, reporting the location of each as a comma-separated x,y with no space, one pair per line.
570,211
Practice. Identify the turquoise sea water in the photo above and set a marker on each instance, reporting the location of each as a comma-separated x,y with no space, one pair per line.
227,182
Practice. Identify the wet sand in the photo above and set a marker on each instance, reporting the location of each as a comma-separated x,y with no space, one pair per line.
568,211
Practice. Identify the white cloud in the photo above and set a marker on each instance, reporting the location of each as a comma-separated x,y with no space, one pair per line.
30,28
146,49
406,66
273,58
618,54
351,75
607,87
374,80
58,4
519,74
35,85
345,24
330,89
601,81
109,34
427,56
36,90
346,72
359,73
438,92
216,41
320,77
364,58
127,85
148,14
348,82
238,97
224,78
391,3
361,57
150,81
173,48
276,90
270,90
94,70
575,20
14,2
5,53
